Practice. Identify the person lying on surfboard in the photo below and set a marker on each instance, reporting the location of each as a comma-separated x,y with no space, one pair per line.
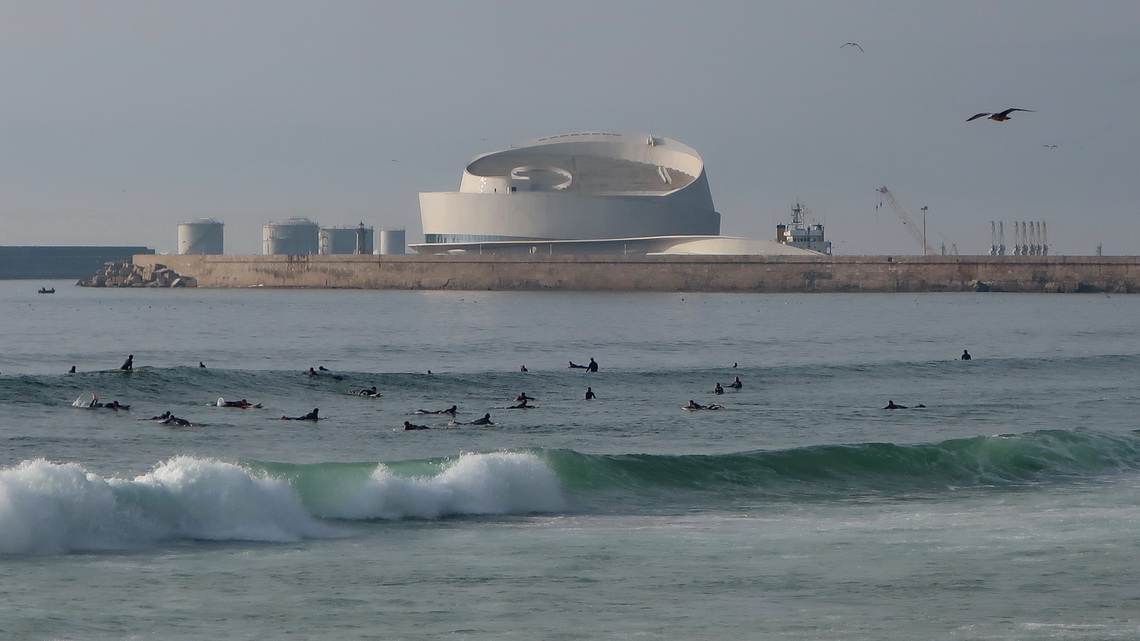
243,404
451,410
311,416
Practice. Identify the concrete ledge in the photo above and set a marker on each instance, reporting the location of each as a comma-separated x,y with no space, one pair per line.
756,274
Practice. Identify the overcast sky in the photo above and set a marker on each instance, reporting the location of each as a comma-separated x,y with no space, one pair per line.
121,119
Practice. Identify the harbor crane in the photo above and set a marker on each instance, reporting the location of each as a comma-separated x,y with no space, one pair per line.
911,227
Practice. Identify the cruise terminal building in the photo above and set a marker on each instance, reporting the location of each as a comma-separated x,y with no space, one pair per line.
626,212
584,193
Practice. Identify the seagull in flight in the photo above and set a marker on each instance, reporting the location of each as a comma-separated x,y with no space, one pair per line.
1000,116
851,44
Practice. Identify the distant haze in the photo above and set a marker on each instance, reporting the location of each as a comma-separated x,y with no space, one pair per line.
121,119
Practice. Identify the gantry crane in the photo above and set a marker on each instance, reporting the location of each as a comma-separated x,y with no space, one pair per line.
914,231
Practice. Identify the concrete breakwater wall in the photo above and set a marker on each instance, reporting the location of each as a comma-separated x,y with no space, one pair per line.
756,274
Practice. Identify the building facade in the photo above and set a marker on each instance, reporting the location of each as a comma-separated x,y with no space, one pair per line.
589,192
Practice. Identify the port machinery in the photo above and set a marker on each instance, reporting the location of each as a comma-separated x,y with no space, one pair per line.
920,236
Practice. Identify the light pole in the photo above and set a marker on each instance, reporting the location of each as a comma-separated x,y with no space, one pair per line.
924,245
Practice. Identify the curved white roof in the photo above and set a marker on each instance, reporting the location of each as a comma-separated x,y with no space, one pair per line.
591,186
592,163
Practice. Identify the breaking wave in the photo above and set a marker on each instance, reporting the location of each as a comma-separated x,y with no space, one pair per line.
54,508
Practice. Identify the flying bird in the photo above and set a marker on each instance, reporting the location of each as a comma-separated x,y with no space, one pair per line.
1000,116
851,44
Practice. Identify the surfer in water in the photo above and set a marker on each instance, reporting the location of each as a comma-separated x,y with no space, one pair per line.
718,389
410,426
486,420
593,366
521,406
590,394
693,405
94,403
129,364
72,370
522,368
243,404
966,355
311,416
736,384
523,397
451,410
181,422
892,406
365,392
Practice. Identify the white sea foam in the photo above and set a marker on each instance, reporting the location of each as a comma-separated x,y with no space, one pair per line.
496,483
51,508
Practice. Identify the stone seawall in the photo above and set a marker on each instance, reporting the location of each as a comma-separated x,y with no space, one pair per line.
757,274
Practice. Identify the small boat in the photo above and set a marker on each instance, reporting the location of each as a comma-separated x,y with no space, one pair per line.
45,290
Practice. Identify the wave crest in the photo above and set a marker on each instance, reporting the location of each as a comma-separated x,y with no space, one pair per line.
52,508
492,483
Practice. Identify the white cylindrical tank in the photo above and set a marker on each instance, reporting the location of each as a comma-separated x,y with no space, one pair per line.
392,241
201,236
346,240
296,236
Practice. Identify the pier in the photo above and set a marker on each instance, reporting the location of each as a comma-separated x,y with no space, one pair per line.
665,273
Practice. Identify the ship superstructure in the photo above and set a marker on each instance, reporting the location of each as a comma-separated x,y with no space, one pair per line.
800,234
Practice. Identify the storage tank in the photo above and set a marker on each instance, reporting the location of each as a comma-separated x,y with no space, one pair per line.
201,236
346,240
294,236
392,241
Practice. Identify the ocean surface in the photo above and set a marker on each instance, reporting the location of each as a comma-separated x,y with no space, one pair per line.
1005,507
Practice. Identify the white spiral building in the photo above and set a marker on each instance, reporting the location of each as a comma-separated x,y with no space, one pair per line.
582,193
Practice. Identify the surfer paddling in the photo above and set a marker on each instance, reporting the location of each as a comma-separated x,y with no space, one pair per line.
180,422
451,410
95,404
311,416
242,404
486,420
693,405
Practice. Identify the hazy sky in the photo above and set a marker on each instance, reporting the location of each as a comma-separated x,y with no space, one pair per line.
121,119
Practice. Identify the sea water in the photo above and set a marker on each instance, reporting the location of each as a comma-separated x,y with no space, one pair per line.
1002,504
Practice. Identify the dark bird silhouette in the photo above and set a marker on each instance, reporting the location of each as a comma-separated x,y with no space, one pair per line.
1000,116
851,44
